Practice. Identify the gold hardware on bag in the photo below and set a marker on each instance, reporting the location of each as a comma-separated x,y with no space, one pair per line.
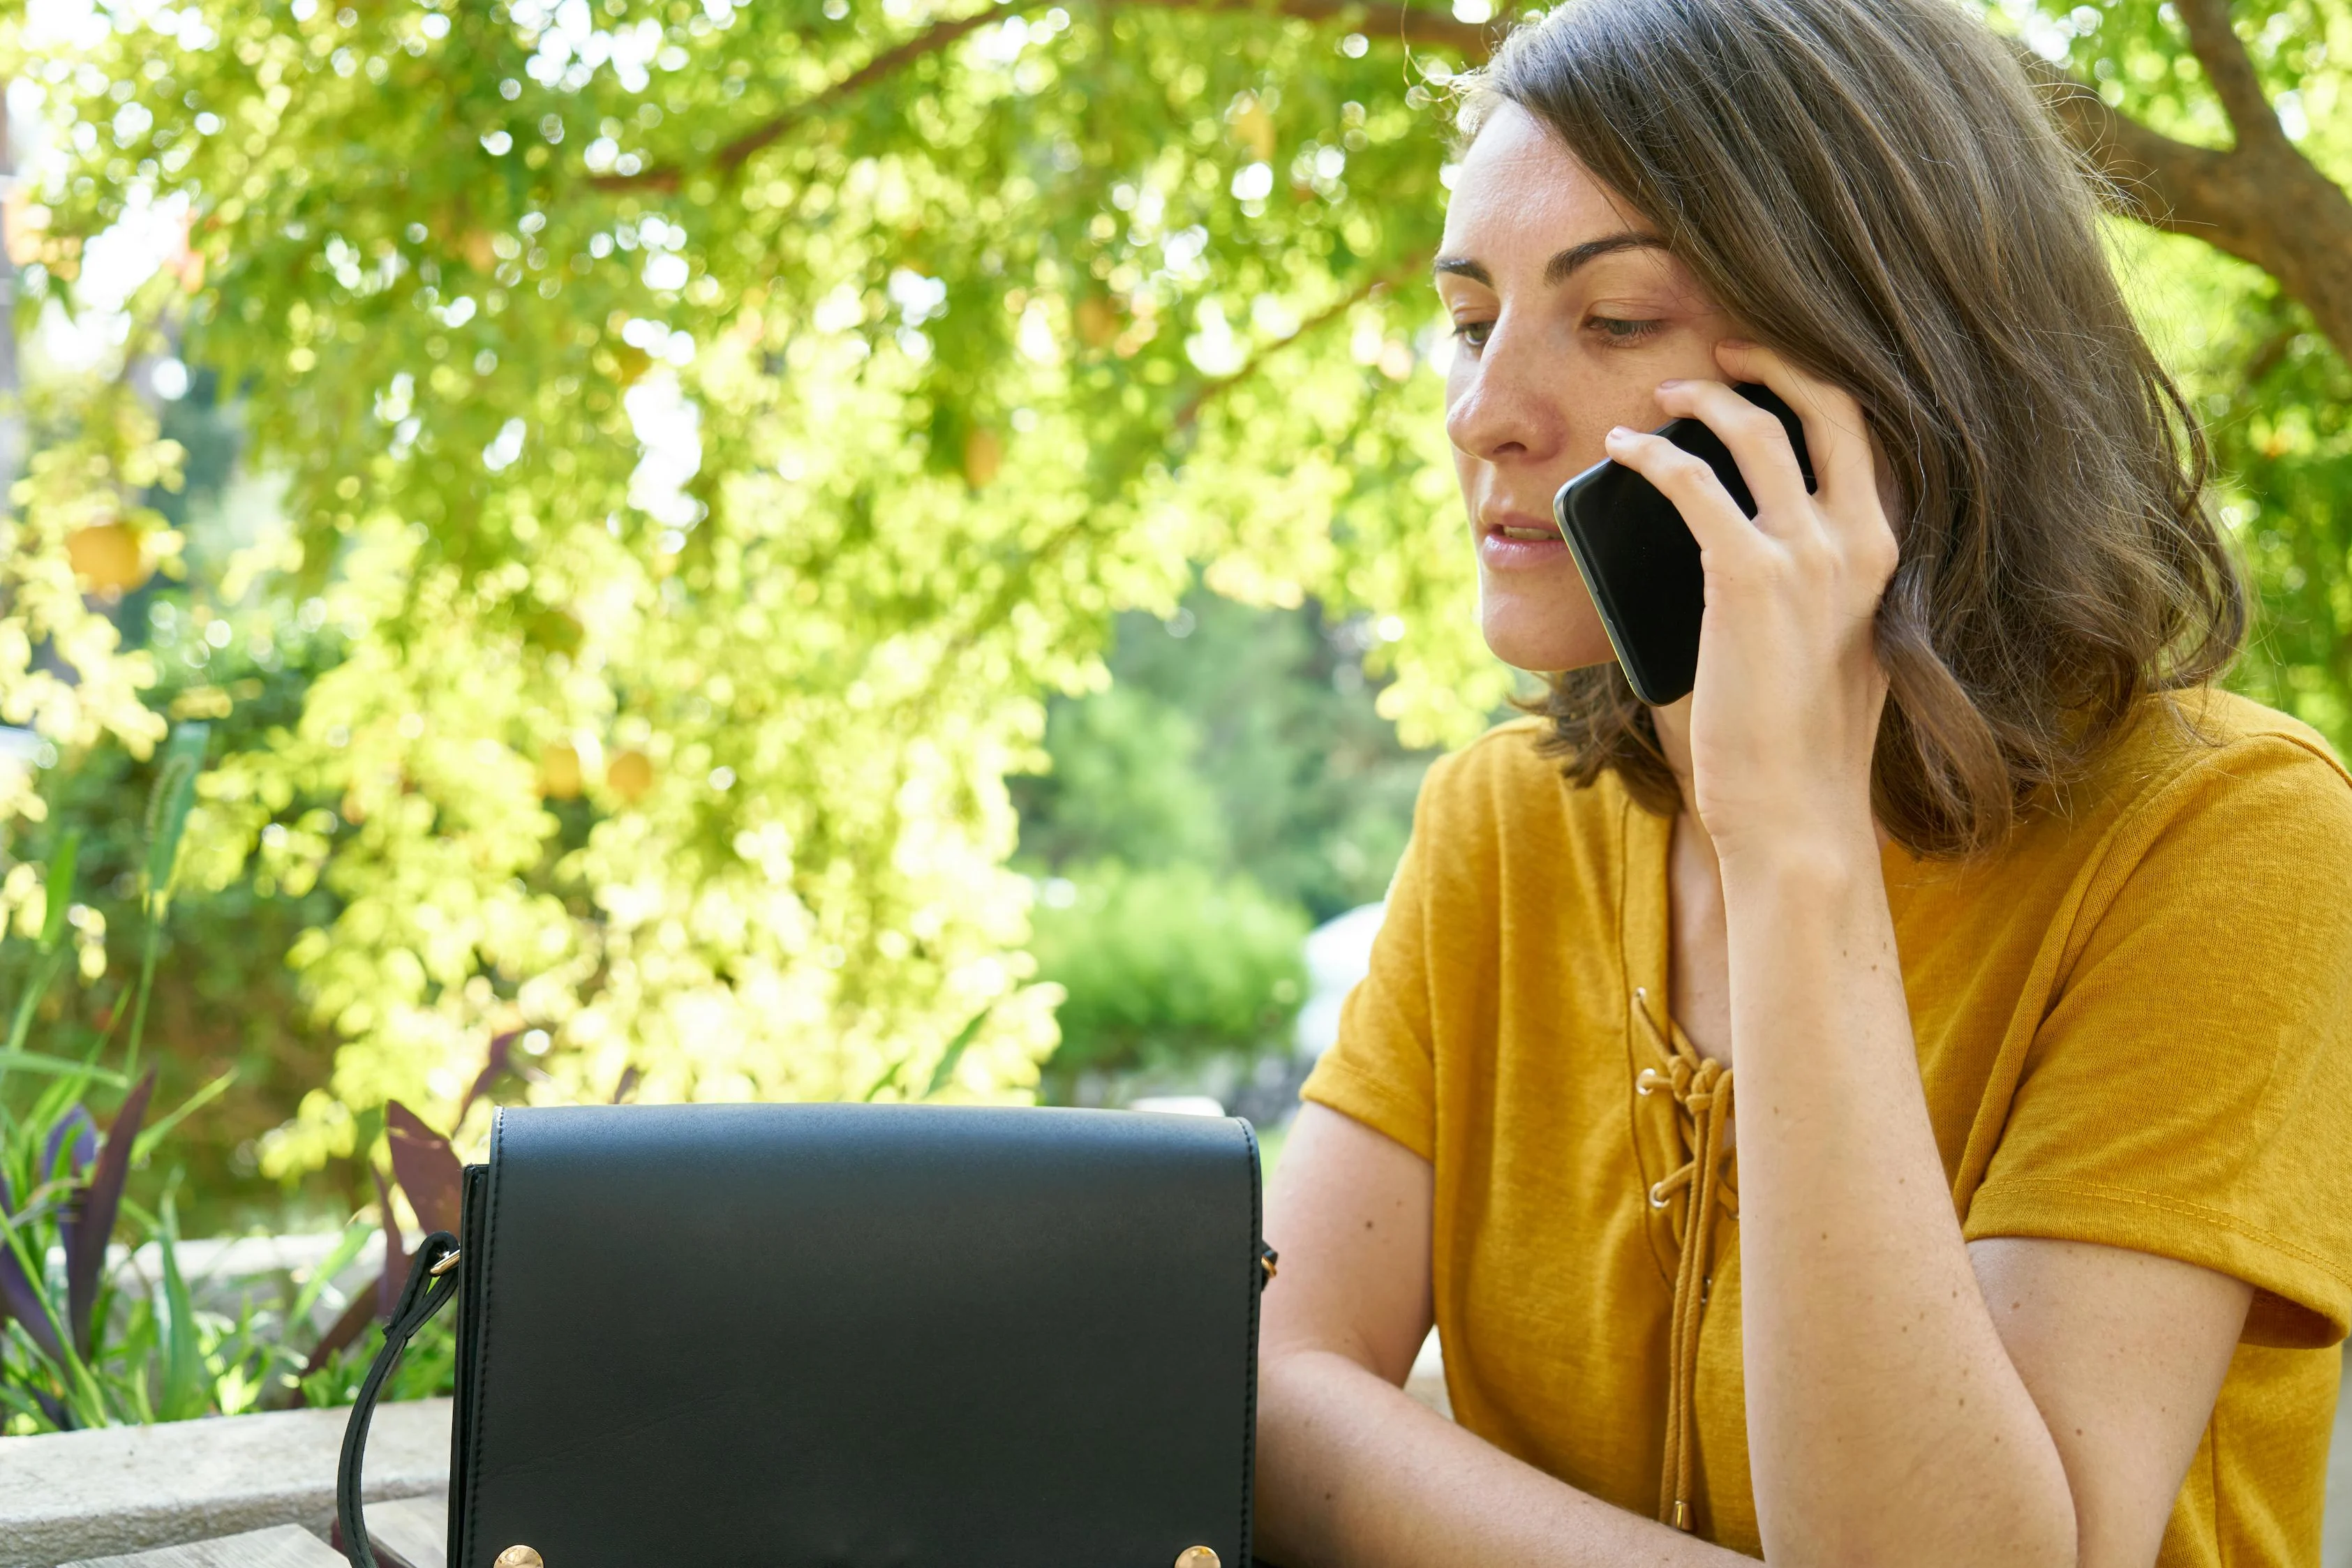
1196,1557
438,1269
517,1556
1270,1260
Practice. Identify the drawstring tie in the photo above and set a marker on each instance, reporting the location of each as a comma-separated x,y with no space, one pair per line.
1702,1096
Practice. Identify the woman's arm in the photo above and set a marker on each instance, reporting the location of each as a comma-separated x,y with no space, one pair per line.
1912,1398
1892,1415
1352,1472
1885,1422
2121,1352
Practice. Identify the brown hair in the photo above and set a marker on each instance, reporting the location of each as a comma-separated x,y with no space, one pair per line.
1874,189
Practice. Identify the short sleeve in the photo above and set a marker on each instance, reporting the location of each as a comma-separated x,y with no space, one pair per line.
1381,1069
2189,1091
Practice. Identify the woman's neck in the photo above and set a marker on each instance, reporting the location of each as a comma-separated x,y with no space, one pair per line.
1673,724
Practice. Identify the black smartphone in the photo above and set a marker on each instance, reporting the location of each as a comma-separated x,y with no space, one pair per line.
1639,560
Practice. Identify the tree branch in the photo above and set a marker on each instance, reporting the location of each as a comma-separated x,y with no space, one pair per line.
2261,201
2155,178
731,157
929,41
2231,71
1398,21
1209,391
1413,26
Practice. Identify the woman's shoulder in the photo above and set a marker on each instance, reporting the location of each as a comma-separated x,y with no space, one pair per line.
2201,790
1509,781
2206,750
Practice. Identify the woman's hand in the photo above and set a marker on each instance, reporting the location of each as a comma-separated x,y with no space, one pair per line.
1784,715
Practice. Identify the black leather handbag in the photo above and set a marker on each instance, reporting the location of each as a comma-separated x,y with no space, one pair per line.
844,1336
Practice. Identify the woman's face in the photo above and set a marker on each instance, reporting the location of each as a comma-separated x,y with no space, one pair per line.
1568,312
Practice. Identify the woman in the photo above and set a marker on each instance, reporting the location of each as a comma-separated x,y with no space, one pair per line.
2028,955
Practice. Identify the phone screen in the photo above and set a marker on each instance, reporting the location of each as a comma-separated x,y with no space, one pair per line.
1639,560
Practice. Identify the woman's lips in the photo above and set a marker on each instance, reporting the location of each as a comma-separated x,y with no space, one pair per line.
1512,542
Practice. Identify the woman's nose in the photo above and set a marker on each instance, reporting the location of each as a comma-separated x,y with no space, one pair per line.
1508,404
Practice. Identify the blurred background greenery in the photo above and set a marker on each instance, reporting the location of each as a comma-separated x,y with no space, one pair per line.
809,549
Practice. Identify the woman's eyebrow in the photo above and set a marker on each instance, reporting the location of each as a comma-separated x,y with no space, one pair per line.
1560,267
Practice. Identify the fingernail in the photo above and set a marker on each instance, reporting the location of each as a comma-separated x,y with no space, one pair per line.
1670,385
1619,432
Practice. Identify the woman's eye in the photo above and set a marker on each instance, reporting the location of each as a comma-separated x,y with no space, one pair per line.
1620,329
1474,332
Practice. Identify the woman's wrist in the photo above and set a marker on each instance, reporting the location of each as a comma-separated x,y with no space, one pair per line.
1808,859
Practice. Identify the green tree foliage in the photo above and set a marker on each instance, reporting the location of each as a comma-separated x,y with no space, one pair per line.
962,354
224,1000
709,431
2272,389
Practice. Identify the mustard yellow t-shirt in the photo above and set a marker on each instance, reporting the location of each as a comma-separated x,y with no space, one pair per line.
2134,1026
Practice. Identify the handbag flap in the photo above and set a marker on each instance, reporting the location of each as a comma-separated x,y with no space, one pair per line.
790,1336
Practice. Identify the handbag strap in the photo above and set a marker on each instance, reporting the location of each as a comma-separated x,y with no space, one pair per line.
432,1281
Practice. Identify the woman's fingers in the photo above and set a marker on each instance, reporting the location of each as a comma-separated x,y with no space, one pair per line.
1714,519
1758,444
1836,437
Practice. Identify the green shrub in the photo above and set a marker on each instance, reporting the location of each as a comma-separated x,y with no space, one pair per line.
1166,967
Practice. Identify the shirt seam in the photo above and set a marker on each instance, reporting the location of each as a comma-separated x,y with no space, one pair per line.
2291,732
2220,1218
2139,823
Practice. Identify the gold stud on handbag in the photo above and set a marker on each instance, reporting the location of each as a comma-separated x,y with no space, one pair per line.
1196,1557
519,1557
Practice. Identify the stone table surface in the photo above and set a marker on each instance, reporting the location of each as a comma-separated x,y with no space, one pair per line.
415,1531
287,1546
74,1498
409,1533
77,1496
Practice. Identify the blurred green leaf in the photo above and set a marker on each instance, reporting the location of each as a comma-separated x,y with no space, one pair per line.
154,1136
59,890
167,812
352,1242
80,1073
182,1391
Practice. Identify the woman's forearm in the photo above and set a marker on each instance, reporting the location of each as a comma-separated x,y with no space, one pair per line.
1354,1471
1885,1421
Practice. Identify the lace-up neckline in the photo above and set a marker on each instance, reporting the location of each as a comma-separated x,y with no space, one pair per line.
1700,1189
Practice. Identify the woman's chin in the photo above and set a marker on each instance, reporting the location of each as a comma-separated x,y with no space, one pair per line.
1541,620
1543,645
